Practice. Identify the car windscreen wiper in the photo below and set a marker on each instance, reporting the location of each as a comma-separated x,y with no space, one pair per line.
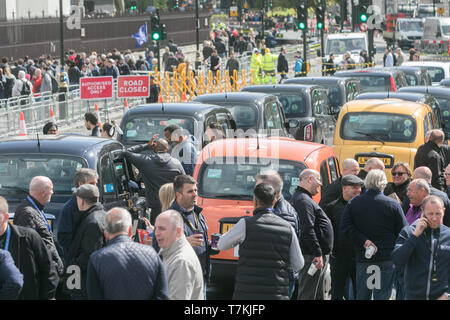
370,136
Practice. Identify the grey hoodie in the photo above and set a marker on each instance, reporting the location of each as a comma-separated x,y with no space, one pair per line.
155,169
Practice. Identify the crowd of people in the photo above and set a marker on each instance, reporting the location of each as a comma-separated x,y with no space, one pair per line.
374,235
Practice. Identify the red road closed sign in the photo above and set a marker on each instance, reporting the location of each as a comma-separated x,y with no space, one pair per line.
133,86
96,88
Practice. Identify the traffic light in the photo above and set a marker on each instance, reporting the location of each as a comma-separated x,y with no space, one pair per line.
302,16
133,5
362,11
270,4
320,17
163,32
176,4
156,28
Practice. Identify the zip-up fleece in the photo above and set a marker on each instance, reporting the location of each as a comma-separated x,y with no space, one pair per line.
417,255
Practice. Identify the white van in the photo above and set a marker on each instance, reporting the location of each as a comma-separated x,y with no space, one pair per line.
435,28
437,70
341,43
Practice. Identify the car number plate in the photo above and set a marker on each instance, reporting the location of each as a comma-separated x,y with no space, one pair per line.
226,227
387,161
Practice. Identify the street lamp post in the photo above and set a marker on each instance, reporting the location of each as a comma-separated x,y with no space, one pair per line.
197,36
61,35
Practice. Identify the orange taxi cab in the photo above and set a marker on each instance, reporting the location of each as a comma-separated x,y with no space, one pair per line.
226,178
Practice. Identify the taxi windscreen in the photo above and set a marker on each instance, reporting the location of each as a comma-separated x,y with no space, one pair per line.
143,128
235,178
436,73
16,172
374,83
374,126
444,105
293,104
246,116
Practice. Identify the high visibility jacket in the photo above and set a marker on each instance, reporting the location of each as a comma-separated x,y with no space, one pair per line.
268,62
255,62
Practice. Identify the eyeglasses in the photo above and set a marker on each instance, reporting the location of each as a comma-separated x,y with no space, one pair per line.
398,173
447,173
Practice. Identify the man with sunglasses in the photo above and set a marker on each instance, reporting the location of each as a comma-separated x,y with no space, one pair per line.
423,248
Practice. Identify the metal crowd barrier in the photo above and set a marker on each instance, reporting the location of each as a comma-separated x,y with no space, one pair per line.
67,107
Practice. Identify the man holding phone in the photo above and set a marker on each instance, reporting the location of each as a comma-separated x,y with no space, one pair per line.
424,249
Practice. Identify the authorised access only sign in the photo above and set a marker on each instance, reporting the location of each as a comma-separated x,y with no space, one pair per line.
133,86
93,88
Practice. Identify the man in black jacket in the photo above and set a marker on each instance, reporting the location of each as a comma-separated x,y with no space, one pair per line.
88,237
372,163
156,168
30,214
373,220
30,256
282,64
430,155
342,261
316,235
91,123
283,209
334,190
268,250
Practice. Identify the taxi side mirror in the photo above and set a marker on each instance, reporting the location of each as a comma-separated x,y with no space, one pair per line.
292,123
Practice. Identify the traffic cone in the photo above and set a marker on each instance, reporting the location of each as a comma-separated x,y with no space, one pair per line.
100,125
22,125
125,106
52,116
160,100
96,110
184,97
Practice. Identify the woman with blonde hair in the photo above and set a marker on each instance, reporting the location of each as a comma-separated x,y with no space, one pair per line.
166,196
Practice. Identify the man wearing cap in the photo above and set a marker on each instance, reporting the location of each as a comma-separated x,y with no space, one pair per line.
255,66
342,261
88,238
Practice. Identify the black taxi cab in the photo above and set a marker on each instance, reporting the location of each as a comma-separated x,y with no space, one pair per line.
58,157
306,108
339,90
141,123
252,111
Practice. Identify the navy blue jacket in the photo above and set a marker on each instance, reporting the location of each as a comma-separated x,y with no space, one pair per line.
375,217
415,254
64,225
287,212
126,270
11,280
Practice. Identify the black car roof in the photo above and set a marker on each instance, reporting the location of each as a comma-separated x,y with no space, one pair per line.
410,96
367,72
58,144
245,97
430,90
281,88
182,109
318,80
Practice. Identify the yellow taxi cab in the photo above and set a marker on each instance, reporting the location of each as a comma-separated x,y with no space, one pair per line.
226,175
389,129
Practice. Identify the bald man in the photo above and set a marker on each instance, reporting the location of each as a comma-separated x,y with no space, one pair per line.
334,190
30,214
156,167
372,163
430,155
